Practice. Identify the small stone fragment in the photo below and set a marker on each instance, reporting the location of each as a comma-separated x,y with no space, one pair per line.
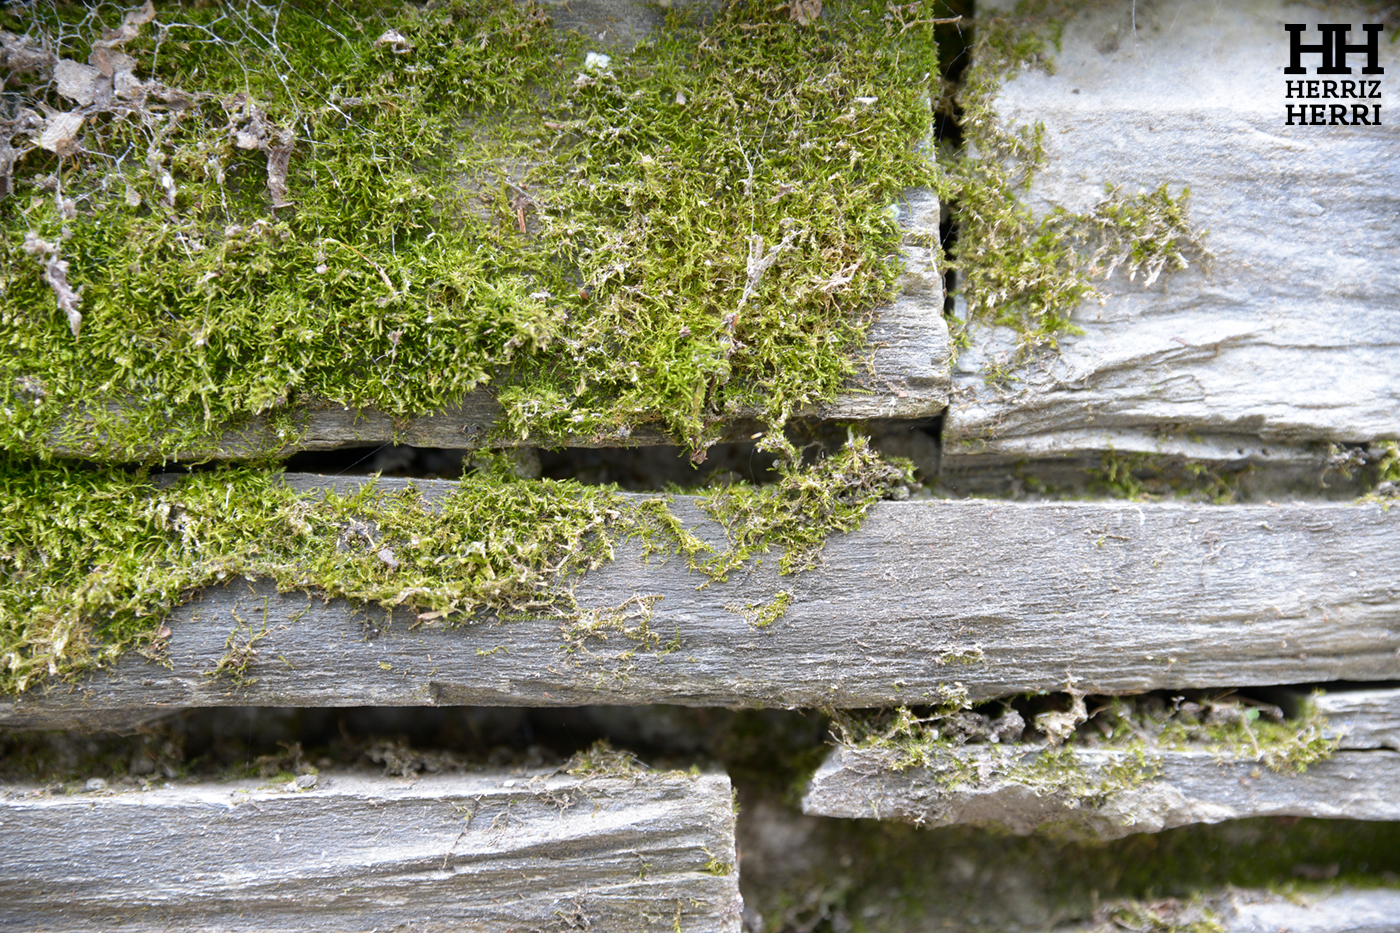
1008,727
393,38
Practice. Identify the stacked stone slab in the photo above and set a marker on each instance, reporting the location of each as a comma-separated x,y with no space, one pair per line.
1284,344
1284,341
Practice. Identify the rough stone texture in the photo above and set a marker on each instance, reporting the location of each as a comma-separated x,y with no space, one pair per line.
492,852
1363,718
1089,798
1001,598
908,374
1291,336
1345,911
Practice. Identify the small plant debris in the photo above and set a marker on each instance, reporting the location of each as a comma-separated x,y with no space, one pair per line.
1228,722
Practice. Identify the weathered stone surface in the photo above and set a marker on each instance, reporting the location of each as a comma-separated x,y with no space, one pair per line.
1346,910
495,851
1095,792
993,597
1290,336
1363,718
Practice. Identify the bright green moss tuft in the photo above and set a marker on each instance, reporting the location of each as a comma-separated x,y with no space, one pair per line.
1388,468
803,508
384,205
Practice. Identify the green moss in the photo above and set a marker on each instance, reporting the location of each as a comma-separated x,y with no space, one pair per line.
602,760
1240,731
717,867
629,622
1141,727
701,227
1146,477
93,558
798,514
1385,487
926,743
1166,917
973,655
1388,467
762,615
240,654
803,508
1029,272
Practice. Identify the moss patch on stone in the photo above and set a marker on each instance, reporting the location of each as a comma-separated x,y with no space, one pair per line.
803,508
94,557
1145,477
1027,272
91,558
380,204
1222,722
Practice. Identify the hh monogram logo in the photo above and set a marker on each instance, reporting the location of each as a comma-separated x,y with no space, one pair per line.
1333,48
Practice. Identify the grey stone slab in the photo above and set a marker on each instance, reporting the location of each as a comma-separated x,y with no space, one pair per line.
1291,336
1234,910
994,598
1023,788
495,851
1345,911
1363,718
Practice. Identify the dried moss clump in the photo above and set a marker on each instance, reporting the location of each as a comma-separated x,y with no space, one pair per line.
212,212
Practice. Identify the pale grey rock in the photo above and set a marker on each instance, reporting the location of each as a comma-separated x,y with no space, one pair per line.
1345,911
495,851
1292,335
1104,794
1363,718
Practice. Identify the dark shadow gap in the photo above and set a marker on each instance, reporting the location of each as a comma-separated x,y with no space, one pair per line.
636,469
